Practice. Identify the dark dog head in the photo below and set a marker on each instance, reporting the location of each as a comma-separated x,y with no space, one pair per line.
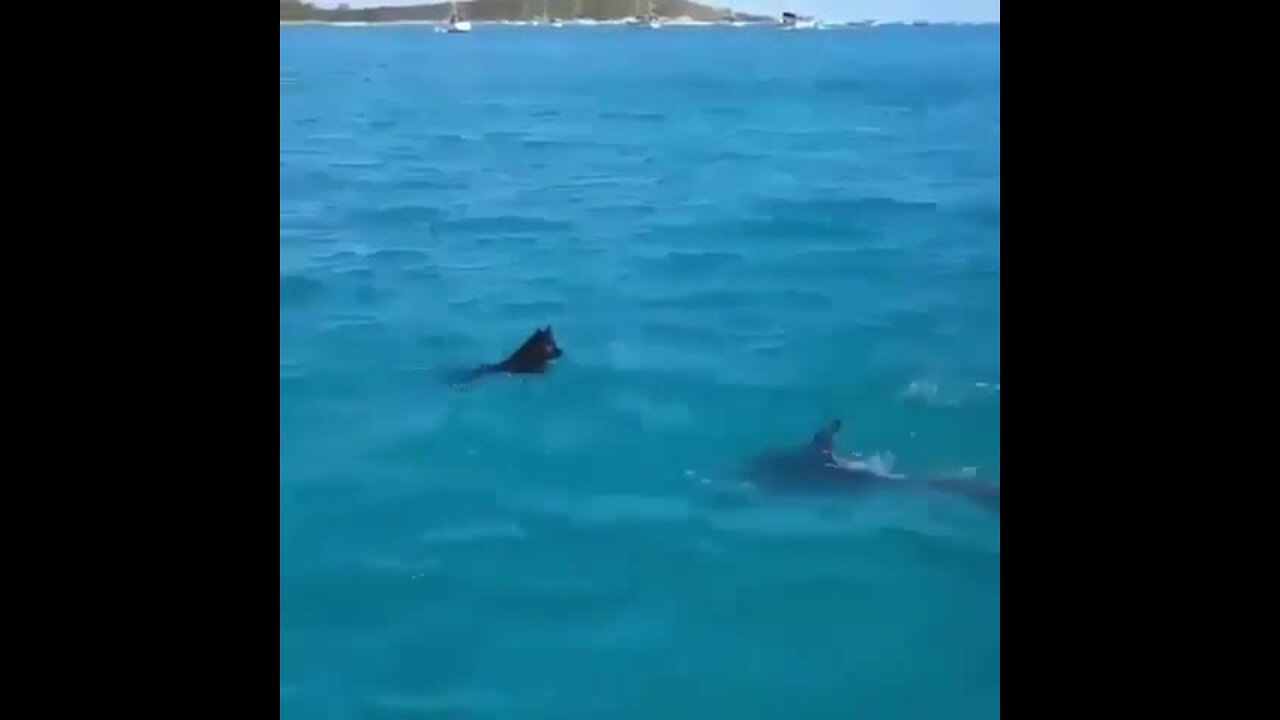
542,345
536,352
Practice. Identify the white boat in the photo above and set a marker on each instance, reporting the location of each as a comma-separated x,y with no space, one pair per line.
456,24
792,21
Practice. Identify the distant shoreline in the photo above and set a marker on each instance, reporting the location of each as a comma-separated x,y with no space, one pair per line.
667,13
667,22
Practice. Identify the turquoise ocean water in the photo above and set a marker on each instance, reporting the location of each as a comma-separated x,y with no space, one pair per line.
737,235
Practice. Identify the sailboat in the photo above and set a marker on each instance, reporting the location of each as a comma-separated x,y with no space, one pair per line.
553,22
648,19
456,23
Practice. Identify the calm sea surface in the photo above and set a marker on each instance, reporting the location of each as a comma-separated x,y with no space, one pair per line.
737,235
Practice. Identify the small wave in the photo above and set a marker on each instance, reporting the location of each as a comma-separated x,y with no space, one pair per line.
842,85
850,209
503,223
986,215
397,566
500,135
691,262
802,299
356,163
430,183
445,704
625,509
300,151
540,310
944,544
398,256
360,328
737,154
931,392
293,370
702,300
468,534
626,115
926,390
652,413
681,332
395,215
872,518
360,273
337,257
329,137
534,142
454,137
701,479
725,111
465,266
799,521
326,179
299,289
580,181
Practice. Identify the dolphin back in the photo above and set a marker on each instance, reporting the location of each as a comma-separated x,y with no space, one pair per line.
801,469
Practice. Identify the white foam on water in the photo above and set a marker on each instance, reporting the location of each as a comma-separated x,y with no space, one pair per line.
926,390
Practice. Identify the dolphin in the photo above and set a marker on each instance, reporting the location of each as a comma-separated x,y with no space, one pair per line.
534,357
816,467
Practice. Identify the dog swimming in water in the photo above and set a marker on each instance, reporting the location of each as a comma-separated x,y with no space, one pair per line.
534,357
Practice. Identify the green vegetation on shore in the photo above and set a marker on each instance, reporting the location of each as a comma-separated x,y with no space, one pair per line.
482,10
